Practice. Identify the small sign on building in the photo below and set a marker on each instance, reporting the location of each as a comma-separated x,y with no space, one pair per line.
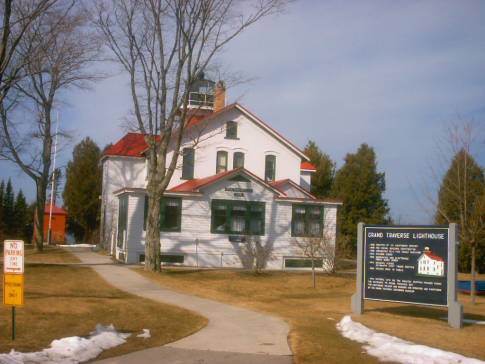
408,264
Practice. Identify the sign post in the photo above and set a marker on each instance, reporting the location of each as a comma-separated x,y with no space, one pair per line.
13,276
408,264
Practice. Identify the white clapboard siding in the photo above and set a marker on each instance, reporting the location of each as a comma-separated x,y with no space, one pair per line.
215,250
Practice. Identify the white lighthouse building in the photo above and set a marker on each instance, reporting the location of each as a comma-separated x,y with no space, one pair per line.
431,265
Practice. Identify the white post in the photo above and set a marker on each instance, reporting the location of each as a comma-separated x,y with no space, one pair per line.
49,231
357,301
197,252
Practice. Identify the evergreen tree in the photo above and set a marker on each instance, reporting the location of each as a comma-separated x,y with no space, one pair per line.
322,179
2,222
21,217
2,214
460,200
8,209
361,188
82,189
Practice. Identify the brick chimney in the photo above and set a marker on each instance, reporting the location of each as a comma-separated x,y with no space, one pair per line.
220,96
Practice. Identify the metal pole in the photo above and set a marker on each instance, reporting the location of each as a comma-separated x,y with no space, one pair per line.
357,301
13,323
49,231
455,309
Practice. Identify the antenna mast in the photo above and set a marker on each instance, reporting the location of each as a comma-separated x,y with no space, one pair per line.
49,232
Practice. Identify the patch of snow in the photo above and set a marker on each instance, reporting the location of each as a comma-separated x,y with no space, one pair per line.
390,348
77,245
469,321
145,334
473,322
71,350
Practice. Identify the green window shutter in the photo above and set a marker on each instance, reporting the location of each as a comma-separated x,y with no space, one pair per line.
188,163
270,168
122,219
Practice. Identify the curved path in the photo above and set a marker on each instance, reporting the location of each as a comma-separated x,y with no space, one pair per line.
233,334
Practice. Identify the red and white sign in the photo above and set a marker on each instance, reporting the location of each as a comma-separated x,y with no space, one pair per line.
13,256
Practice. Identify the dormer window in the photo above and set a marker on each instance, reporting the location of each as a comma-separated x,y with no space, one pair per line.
231,130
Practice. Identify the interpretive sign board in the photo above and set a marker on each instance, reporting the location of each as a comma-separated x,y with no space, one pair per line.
408,264
13,256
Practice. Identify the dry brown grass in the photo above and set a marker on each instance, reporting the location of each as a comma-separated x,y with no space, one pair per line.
313,313
63,301
50,254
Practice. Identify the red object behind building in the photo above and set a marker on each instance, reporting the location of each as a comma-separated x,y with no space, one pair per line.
58,226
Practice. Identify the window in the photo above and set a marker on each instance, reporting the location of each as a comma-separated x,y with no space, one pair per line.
221,163
172,259
188,163
122,220
237,217
307,220
299,263
170,213
238,161
231,130
270,168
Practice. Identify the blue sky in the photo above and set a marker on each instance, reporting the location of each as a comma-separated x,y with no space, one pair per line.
388,73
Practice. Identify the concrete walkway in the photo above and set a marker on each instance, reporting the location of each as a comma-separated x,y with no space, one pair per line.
233,334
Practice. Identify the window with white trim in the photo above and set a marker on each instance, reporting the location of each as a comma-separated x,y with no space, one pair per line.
307,220
221,161
237,217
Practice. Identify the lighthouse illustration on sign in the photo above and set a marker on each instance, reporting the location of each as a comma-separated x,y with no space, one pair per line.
430,264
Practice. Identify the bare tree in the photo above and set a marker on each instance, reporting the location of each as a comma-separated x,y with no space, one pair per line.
461,187
17,19
164,46
254,254
319,249
64,49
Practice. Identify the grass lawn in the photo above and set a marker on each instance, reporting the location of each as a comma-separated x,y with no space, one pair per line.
313,313
63,301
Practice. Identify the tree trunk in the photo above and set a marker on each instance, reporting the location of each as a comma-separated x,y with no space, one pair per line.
472,281
39,217
313,274
152,241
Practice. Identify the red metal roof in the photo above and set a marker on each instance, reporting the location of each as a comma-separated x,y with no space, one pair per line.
434,257
280,183
308,166
194,185
133,144
55,210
